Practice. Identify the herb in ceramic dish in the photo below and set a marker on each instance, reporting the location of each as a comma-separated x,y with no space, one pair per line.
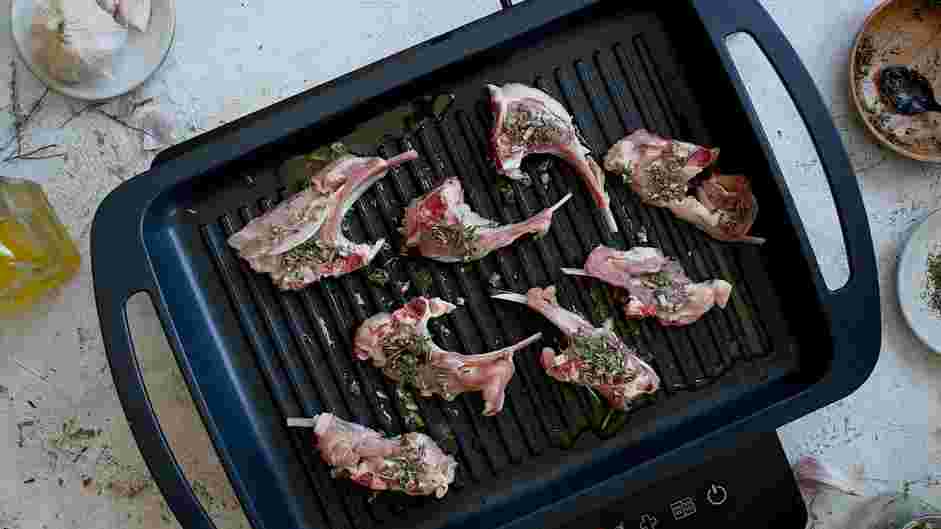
932,293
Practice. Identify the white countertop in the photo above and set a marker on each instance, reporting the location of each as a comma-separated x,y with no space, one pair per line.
235,56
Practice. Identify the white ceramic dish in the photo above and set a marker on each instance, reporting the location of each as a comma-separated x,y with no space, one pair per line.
144,53
911,277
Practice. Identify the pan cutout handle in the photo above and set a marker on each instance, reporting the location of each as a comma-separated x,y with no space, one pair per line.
127,272
854,308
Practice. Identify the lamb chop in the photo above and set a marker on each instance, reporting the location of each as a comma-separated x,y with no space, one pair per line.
411,463
400,344
442,227
593,356
301,241
657,285
528,121
663,172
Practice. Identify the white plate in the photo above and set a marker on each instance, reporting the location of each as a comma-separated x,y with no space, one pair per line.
912,272
144,53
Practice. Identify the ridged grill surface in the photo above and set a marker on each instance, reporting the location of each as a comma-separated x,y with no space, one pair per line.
625,78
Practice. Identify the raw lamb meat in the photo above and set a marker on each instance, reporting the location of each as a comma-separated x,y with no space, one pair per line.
301,241
657,285
400,344
442,227
663,172
411,463
594,357
528,121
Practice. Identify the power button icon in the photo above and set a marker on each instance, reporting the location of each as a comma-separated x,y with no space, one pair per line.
716,494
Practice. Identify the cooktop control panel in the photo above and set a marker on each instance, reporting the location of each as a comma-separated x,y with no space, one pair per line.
751,486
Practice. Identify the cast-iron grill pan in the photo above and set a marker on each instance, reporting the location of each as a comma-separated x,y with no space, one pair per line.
252,355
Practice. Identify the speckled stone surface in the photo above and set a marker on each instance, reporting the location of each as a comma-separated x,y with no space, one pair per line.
235,56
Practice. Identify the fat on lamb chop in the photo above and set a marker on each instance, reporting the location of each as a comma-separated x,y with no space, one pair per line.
411,463
400,344
593,356
528,121
442,227
657,285
662,172
301,241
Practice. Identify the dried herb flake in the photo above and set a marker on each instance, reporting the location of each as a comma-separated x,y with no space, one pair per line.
932,292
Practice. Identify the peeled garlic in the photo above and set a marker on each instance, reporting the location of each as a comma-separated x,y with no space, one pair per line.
75,40
131,13
111,6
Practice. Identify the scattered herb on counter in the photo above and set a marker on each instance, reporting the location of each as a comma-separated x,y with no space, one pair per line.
73,434
423,281
932,292
378,277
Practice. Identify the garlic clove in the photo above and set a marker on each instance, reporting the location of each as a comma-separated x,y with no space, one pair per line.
76,40
134,13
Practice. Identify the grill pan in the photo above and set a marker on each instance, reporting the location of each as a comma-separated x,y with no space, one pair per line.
252,356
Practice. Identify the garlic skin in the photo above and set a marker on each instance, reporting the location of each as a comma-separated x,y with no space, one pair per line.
129,13
811,473
158,126
75,40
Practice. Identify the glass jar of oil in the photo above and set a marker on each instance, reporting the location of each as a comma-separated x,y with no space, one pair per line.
36,252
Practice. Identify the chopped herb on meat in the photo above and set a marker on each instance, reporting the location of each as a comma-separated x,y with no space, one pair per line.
310,252
406,352
665,182
461,239
408,467
603,358
529,127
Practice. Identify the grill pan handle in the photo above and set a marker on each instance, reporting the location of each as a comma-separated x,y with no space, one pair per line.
855,322
128,273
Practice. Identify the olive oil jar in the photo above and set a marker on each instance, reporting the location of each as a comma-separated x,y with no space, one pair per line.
36,252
